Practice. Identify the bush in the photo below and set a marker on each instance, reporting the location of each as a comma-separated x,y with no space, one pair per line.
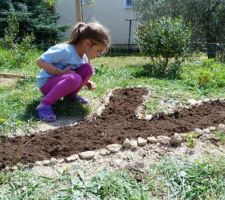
208,75
18,49
165,40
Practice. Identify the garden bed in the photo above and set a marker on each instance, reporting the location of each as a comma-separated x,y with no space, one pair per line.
117,122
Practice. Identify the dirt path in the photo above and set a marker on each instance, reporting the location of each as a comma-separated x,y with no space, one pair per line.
117,122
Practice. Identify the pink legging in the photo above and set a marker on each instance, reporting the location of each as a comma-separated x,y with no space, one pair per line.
66,84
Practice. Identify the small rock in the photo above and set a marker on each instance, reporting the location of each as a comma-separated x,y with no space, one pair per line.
114,147
175,140
221,127
87,155
134,145
192,102
184,136
222,100
14,168
53,160
72,158
199,131
46,162
152,140
199,102
206,130
163,139
141,142
60,160
126,143
148,117
39,163
104,152
206,100
139,116
212,128
7,168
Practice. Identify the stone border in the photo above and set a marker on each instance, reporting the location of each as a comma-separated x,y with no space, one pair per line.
132,144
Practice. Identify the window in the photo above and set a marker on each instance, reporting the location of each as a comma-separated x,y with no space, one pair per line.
127,3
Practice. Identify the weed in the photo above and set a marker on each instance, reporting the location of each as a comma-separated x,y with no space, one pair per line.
190,180
18,51
191,139
220,136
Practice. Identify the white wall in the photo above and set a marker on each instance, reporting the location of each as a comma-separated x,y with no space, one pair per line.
67,11
111,13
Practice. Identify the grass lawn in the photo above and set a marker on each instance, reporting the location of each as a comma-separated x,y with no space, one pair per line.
183,179
200,78
168,179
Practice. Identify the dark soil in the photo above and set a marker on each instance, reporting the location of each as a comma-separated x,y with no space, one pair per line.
117,122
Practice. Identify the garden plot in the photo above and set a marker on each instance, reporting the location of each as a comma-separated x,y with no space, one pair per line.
117,122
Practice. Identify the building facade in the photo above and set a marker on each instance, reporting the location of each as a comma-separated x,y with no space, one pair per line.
116,15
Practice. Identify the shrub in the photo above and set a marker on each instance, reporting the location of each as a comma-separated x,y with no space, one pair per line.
165,40
208,75
18,49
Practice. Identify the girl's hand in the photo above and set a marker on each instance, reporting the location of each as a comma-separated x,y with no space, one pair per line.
67,69
90,85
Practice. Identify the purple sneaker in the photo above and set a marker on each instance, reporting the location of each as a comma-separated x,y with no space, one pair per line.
45,113
80,99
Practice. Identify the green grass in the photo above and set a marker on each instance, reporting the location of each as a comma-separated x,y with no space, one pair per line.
220,136
189,180
19,100
169,179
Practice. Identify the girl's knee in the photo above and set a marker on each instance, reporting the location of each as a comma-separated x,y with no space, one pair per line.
88,69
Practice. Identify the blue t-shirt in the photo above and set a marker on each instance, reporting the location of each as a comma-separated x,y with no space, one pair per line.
60,56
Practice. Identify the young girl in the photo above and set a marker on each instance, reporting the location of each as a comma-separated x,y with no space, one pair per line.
65,68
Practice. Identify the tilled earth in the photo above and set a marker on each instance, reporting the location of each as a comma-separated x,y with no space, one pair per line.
117,122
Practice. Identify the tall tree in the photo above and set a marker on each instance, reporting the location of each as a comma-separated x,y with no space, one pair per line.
206,17
34,16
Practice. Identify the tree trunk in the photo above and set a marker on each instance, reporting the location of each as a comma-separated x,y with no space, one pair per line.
78,10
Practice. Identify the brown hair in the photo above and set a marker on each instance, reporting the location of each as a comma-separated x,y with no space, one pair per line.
96,32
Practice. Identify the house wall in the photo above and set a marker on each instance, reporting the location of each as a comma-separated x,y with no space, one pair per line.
110,13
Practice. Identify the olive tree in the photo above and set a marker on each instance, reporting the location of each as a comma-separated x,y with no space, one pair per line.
206,17
165,41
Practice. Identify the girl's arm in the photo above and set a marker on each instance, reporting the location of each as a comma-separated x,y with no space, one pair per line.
51,68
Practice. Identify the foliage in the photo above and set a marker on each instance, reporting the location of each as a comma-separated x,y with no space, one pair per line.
121,185
50,2
105,185
165,40
206,17
18,50
190,180
220,136
170,178
208,74
18,99
191,139
37,17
